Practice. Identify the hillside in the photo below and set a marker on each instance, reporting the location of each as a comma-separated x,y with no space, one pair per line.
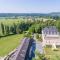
29,14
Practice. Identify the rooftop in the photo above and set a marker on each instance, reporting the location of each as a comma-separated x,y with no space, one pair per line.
51,30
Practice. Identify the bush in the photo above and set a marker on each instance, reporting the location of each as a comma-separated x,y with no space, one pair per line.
27,34
37,36
40,38
39,56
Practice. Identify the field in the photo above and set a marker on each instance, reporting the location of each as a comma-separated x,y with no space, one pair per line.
10,21
7,44
52,55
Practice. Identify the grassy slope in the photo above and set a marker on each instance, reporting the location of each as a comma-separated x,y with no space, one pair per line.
52,55
10,21
9,43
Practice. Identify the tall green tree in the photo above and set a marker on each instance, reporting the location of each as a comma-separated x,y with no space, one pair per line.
57,23
18,29
7,31
32,29
2,27
13,29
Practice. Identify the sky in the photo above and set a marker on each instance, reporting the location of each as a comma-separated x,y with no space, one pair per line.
29,6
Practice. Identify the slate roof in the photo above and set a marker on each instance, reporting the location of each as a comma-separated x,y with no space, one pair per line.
51,30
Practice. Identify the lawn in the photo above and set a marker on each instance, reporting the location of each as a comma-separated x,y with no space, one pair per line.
7,44
52,55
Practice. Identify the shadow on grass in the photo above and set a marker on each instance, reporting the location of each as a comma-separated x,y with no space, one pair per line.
7,35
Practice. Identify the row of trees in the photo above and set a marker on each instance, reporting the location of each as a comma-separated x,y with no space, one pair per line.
39,25
32,27
14,28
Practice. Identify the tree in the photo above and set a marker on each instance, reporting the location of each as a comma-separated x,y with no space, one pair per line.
37,36
2,27
32,29
18,30
57,24
38,28
14,28
7,30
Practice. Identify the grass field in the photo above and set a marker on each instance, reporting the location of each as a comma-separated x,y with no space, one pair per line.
52,55
10,21
7,44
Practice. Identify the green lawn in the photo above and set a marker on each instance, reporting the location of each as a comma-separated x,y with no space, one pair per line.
10,21
7,44
52,55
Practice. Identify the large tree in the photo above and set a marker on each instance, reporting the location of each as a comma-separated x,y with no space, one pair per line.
2,27
7,30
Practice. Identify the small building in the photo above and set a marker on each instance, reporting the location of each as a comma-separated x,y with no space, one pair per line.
50,36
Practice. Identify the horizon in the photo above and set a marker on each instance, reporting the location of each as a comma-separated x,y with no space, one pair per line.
31,6
27,12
